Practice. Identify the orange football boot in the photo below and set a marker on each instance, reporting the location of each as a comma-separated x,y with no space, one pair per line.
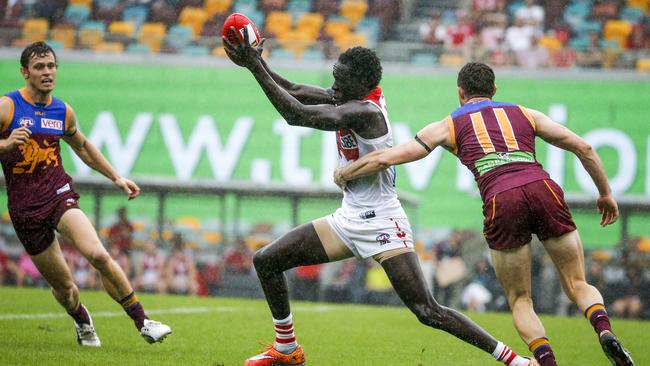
271,357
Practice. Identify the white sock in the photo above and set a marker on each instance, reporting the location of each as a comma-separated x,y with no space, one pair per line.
285,339
504,354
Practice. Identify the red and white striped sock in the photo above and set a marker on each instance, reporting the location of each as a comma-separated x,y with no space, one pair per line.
285,339
504,354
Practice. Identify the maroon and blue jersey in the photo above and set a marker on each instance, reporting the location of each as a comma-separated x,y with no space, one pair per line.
34,171
496,141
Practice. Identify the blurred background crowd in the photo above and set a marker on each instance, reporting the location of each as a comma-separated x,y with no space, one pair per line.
456,263
522,33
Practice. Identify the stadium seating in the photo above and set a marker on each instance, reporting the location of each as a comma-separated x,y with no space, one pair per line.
65,35
617,30
424,59
632,15
245,6
212,7
123,28
138,49
35,30
91,33
643,65
640,4
338,29
354,10
86,3
299,7
296,42
77,14
179,36
310,24
194,18
109,47
152,35
278,23
350,40
136,14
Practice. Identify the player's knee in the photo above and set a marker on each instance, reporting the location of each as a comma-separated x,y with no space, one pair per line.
431,315
65,289
520,298
260,261
99,259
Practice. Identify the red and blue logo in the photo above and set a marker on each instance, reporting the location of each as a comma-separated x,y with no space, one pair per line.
383,238
26,122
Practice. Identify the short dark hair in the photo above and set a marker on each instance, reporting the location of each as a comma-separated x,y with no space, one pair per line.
39,48
364,65
476,79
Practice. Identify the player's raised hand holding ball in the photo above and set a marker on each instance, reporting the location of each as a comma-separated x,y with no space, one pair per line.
240,33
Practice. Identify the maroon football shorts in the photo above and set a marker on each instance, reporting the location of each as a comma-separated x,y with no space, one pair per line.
511,217
36,230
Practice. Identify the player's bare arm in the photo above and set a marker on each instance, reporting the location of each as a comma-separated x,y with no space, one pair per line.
18,136
560,136
307,94
328,117
92,157
425,141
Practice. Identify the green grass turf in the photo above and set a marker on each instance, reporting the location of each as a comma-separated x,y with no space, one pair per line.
229,331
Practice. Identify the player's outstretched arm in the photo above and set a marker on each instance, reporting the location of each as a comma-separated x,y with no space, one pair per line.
560,136
92,157
322,116
306,94
425,141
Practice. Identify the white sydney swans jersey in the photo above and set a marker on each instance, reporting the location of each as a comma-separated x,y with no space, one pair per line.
374,195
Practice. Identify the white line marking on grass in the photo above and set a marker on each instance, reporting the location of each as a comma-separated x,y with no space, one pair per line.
180,310
112,314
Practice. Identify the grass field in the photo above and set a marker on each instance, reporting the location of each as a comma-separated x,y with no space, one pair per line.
34,330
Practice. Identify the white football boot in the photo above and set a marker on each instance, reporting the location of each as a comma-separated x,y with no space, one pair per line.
154,331
86,334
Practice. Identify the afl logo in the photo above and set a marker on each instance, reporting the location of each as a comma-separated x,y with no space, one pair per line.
383,238
26,122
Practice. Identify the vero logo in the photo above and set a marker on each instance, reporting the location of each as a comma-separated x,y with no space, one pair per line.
52,124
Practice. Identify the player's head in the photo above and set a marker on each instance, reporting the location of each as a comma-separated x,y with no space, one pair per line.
356,73
38,66
475,80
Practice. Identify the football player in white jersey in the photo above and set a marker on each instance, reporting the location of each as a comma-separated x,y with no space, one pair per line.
371,221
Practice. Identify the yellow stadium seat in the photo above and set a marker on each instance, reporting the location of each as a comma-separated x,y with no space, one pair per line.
296,42
617,30
641,4
86,3
451,59
90,37
278,22
354,10
64,35
550,43
311,24
219,51
109,47
213,7
122,28
35,29
351,40
191,222
643,65
337,29
152,35
193,18
212,237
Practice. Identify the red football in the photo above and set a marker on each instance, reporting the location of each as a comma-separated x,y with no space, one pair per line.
242,24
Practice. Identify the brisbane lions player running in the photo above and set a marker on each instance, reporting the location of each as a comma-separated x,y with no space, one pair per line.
496,141
371,221
42,199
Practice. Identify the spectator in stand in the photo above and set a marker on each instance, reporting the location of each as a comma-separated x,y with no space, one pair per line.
180,270
11,12
52,10
121,258
519,36
488,6
306,283
535,57
120,234
84,274
450,270
326,7
461,32
531,14
7,266
565,57
164,12
493,32
593,56
389,13
238,259
500,57
477,295
27,274
432,32
149,271
637,39
629,305
336,280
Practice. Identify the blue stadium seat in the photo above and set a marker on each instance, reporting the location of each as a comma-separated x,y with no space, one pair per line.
136,14
513,7
92,24
195,51
245,6
76,14
257,17
282,54
107,4
298,7
610,44
424,59
371,28
56,45
632,15
312,55
586,27
576,13
579,43
179,36
138,49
